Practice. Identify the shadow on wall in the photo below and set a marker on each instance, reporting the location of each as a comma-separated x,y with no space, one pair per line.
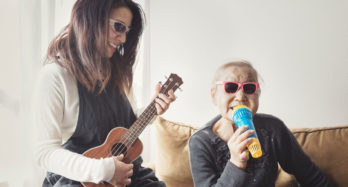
3,184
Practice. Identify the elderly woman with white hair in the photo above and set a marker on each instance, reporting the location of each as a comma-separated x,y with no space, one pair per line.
218,151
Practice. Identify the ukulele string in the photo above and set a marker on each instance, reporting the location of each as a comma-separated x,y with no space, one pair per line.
134,136
138,131
123,144
129,136
120,147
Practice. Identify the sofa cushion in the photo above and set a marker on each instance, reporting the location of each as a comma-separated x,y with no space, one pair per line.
327,147
172,164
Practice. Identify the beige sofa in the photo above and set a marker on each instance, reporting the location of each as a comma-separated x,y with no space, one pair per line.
327,147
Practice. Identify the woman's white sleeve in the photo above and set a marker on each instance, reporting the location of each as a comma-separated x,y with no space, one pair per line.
49,110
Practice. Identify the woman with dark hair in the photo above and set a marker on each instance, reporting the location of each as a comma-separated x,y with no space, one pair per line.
85,90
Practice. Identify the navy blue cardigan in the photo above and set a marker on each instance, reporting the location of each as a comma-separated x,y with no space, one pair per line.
210,165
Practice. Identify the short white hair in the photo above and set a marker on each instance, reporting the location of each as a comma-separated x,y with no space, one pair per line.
239,63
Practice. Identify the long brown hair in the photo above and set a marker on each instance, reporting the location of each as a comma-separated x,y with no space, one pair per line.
81,46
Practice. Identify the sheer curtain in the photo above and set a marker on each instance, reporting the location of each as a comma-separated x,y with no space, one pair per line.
21,55
28,27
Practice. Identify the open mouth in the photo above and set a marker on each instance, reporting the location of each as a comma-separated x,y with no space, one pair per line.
112,44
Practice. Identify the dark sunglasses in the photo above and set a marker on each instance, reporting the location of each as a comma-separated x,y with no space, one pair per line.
118,26
232,87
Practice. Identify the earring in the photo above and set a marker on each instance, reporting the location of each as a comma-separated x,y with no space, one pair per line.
120,49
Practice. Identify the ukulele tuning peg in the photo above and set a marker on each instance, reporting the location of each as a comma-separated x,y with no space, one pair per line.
165,77
180,89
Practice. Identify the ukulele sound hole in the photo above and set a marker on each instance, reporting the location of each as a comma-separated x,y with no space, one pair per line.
118,149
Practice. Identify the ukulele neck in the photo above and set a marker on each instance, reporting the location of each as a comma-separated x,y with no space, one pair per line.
139,125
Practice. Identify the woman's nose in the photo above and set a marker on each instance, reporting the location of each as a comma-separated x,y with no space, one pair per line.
123,37
240,95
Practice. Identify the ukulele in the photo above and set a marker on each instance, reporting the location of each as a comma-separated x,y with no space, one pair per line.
125,141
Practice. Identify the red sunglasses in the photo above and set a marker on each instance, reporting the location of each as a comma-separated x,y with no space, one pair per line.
232,87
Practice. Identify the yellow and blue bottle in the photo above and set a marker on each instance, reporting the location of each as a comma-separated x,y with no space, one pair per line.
242,115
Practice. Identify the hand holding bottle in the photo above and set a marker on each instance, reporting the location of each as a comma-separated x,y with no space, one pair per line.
242,116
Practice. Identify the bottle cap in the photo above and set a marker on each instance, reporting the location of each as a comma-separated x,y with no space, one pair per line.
240,106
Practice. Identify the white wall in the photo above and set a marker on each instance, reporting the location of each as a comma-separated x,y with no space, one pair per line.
300,48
